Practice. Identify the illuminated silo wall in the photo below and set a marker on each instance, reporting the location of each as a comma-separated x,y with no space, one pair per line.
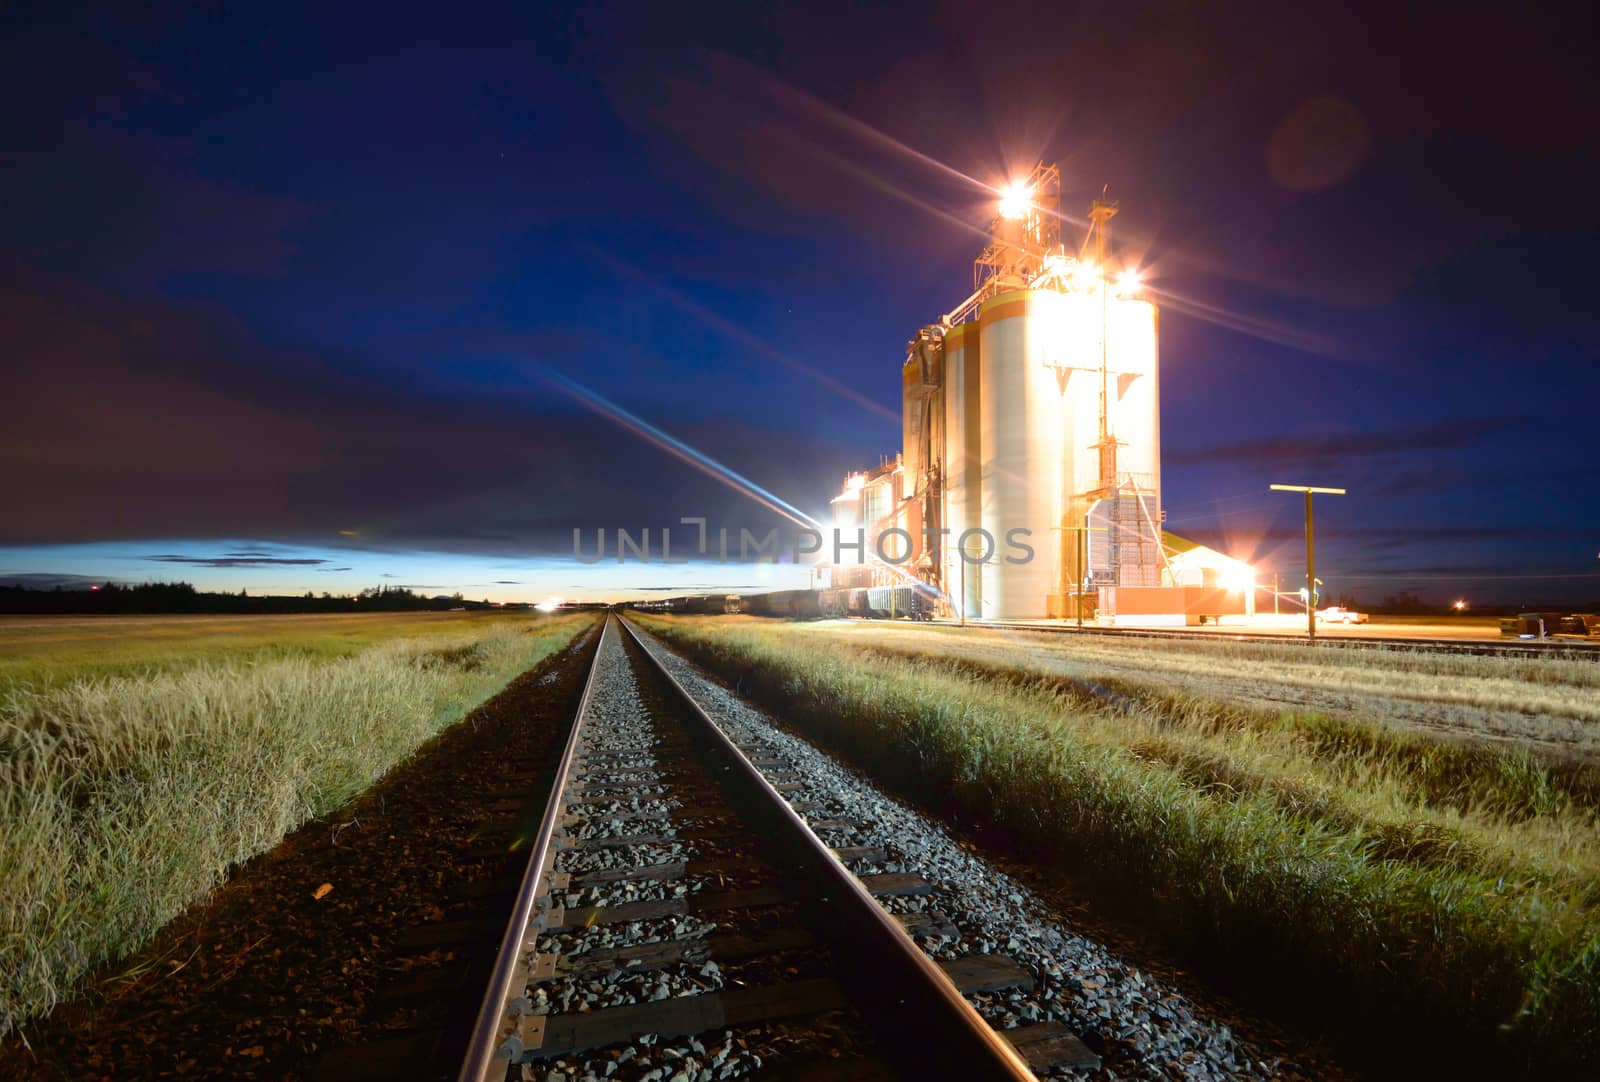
914,450
1133,343
962,458
1022,448
913,437
1132,382
1039,395
1075,347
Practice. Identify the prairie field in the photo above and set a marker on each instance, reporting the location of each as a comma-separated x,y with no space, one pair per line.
140,759
1285,804
1549,705
52,650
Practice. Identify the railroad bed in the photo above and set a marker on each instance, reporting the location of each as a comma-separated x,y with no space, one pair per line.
693,910
1562,648
709,896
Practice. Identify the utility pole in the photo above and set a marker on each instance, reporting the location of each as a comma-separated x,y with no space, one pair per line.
961,556
1311,566
1083,571
1275,593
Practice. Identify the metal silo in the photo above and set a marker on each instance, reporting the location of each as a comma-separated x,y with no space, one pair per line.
1131,344
962,463
1022,449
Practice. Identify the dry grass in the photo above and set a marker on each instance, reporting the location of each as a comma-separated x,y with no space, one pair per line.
55,650
1461,879
1549,704
125,798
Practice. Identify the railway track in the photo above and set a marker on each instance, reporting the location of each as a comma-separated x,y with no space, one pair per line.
1574,649
689,910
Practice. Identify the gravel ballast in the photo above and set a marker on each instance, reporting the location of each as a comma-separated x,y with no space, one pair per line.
631,738
1142,1025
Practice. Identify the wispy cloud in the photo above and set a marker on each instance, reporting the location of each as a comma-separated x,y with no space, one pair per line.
237,560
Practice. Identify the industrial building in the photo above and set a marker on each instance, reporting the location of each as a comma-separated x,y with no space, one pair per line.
1028,485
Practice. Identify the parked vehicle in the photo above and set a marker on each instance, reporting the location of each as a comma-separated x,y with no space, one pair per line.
1338,614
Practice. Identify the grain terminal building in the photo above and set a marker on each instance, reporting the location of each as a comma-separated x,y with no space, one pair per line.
1031,424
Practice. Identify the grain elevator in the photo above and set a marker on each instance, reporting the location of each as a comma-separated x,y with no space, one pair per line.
1029,480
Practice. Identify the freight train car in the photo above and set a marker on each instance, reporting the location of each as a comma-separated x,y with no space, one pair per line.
794,604
707,604
905,602
911,602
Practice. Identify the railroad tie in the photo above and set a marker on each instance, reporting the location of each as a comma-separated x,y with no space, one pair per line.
612,794
726,946
896,884
543,1036
619,840
1050,1045
979,972
836,824
584,916
676,870
647,872
571,820
615,771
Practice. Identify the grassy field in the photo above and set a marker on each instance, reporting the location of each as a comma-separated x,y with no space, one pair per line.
126,792
1551,705
1459,880
53,650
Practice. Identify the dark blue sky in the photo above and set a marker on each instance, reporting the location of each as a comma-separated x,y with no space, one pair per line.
282,275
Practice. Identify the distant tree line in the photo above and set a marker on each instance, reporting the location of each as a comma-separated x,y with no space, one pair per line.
152,598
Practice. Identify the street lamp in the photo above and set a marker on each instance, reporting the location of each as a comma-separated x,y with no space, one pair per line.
1311,571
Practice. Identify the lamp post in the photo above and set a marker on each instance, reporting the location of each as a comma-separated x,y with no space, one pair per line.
1311,566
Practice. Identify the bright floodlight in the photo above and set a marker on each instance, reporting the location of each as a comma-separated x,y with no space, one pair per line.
1128,281
1014,201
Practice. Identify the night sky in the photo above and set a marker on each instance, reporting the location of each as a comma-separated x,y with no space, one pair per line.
283,289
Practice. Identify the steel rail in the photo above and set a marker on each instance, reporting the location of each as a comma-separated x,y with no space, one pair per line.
491,1026
943,1011
1569,650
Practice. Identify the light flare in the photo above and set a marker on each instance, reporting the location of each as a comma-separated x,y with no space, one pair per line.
682,451
1015,201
